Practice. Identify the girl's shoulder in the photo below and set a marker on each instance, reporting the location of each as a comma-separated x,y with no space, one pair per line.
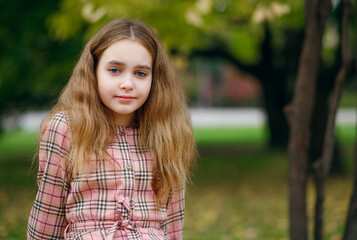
55,142
57,122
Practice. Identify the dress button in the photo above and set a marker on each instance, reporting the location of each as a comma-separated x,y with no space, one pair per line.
128,166
122,133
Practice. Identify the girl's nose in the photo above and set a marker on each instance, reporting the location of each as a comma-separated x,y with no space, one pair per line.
127,82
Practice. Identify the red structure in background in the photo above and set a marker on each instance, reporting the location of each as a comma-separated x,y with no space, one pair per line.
214,82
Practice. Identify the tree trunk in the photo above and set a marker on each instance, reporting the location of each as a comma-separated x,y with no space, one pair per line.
323,165
274,94
300,115
351,222
278,125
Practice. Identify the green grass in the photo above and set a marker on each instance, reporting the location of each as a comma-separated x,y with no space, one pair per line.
222,136
17,142
346,134
17,182
254,135
239,188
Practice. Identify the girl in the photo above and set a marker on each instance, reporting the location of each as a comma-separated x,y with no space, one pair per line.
116,149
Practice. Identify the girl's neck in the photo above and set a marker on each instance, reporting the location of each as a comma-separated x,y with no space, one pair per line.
125,120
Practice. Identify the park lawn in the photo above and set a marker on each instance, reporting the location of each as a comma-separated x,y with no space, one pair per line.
239,188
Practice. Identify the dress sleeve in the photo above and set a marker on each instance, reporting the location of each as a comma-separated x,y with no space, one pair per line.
47,217
175,215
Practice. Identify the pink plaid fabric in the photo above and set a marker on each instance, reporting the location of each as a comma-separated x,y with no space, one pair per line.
113,201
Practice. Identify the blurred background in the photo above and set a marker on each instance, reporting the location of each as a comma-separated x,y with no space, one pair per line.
238,60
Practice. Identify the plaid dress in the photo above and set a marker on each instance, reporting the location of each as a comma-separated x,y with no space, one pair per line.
111,201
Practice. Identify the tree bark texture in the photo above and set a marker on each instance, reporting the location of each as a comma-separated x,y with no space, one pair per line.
300,115
323,165
351,221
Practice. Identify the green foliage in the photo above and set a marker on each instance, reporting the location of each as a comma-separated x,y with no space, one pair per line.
244,43
183,26
295,20
33,67
348,98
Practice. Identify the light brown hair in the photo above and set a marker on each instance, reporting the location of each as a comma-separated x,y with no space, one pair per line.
163,120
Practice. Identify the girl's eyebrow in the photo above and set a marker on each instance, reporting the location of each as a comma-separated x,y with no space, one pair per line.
115,62
144,67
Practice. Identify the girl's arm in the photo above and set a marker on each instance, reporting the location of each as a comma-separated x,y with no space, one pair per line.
175,215
47,217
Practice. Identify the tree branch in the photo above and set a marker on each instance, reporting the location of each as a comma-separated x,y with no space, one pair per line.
346,60
323,164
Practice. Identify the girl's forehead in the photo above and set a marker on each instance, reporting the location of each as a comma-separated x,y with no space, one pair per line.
128,50
128,41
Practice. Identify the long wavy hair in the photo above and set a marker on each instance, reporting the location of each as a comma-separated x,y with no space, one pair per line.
163,120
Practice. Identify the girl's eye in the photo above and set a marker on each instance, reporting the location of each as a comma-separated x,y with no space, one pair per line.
141,74
114,70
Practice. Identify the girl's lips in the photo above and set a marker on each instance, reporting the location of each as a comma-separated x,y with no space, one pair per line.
125,98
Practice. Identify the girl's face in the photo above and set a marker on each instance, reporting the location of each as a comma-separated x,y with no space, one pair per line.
124,76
